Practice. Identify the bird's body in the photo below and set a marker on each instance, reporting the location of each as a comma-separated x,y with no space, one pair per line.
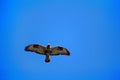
47,51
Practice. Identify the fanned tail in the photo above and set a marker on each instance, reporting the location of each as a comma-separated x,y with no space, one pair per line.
47,58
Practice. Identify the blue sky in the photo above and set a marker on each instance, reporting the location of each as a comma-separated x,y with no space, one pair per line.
89,29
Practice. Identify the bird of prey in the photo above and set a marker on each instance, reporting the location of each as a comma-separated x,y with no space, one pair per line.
47,51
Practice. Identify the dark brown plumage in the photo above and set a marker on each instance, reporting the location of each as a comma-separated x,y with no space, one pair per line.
47,51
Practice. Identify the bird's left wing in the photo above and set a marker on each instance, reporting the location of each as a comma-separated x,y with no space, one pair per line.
36,48
59,50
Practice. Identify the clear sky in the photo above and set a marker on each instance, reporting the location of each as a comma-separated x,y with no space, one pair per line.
89,29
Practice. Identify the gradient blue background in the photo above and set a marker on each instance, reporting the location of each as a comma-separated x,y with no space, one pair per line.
90,29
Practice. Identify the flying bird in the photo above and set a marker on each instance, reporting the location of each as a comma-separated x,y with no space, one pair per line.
47,51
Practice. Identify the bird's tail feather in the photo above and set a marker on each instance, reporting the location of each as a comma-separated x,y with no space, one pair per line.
47,58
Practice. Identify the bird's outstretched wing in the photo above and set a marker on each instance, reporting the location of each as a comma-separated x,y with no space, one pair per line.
36,48
59,50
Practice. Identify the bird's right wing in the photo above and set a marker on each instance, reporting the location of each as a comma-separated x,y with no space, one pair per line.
59,51
36,48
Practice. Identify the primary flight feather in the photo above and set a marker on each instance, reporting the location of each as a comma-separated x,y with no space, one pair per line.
47,51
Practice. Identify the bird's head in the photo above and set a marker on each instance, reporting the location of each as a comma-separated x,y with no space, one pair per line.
48,46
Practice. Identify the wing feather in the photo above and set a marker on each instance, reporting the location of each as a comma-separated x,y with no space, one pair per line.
59,50
36,48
